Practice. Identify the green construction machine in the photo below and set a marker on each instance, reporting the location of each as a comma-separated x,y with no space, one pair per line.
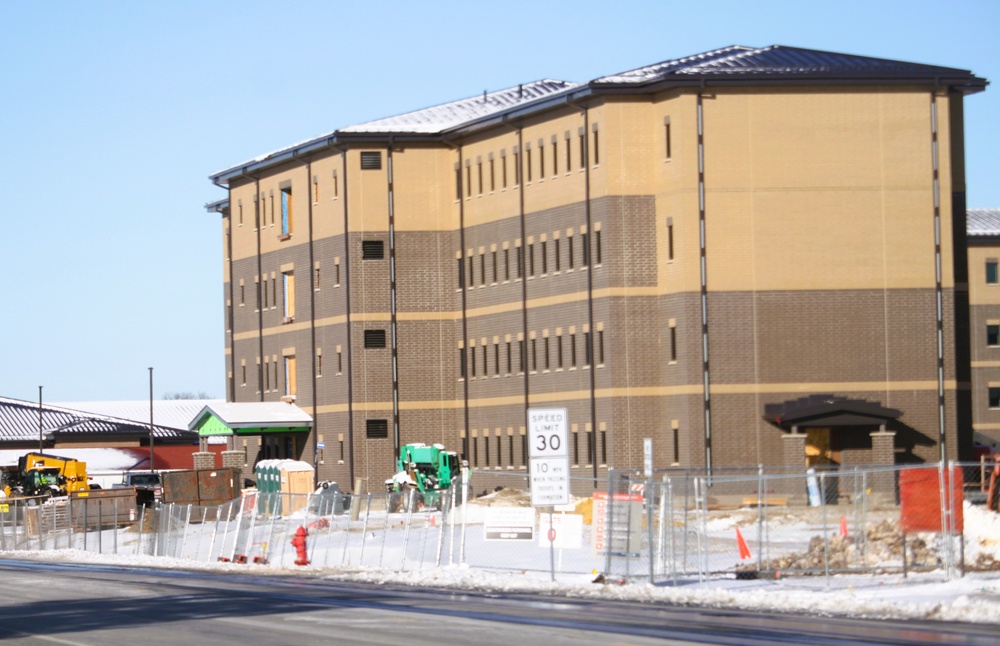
427,470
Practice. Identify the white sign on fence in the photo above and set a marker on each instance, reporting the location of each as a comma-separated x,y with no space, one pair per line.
549,453
564,533
509,524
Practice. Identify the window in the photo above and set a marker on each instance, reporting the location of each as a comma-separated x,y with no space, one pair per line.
541,160
506,264
472,272
666,142
545,257
531,259
534,355
559,351
670,239
569,154
569,250
576,448
494,254
472,364
583,150
336,186
586,349
597,246
508,358
503,171
673,344
316,278
243,369
288,283
555,157
372,250
468,180
585,248
340,362
458,183
520,262
527,160
496,358
475,451
597,147
521,356
486,447
371,161
265,293
677,445
486,361
315,190
243,293
377,428
290,379
556,250
993,335
336,272
572,350
479,172
517,168
374,338
482,269
994,396
319,362
547,365
462,370
493,182
600,347
499,450
461,273
992,277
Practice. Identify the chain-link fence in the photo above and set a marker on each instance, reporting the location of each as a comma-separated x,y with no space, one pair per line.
676,526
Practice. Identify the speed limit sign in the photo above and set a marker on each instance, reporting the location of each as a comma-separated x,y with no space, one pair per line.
549,453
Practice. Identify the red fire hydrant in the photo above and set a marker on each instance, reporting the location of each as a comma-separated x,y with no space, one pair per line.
299,543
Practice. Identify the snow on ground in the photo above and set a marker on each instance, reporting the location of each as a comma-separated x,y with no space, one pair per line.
974,597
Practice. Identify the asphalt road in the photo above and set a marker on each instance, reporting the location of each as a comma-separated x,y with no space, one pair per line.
79,604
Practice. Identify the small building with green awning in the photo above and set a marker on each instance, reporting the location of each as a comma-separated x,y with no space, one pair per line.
264,419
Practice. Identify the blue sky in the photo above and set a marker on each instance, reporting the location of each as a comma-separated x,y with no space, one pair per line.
116,113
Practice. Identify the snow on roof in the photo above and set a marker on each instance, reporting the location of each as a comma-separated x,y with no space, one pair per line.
173,413
443,117
96,459
776,59
254,414
982,222
19,421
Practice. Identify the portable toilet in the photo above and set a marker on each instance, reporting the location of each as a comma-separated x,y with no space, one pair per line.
296,481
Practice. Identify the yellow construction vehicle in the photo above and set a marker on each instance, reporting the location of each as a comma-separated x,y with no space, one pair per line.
41,474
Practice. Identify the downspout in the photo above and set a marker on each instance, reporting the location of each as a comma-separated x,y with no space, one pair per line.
393,323
312,323
461,278
939,327
347,320
230,313
522,261
590,296
704,289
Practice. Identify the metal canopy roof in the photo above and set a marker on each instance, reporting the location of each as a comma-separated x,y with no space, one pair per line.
828,410
737,64
19,422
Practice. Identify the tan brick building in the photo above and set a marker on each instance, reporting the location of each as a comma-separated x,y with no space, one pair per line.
666,252
984,307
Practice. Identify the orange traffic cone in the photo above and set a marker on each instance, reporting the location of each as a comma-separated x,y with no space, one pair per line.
843,527
742,544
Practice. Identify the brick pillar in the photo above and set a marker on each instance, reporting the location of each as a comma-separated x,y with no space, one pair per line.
794,457
883,455
204,460
234,460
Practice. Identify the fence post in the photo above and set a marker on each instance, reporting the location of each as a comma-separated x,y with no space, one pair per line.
826,536
364,527
761,501
465,512
406,529
609,515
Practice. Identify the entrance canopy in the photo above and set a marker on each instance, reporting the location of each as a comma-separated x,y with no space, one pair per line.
828,411
250,418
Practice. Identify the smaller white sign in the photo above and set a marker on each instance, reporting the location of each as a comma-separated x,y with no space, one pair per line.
549,481
564,533
509,524
647,457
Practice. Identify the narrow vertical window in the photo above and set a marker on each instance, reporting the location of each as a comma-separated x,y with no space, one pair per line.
677,446
569,251
493,183
572,350
569,154
531,259
336,185
576,448
468,181
319,363
555,157
241,213
265,294
520,355
546,357
461,363
600,347
494,266
534,355
517,168
604,446
472,364
992,277
475,451
556,252
503,171
585,249
670,239
527,162
461,273
340,362
499,450
666,138
244,374
479,172
520,262
508,358
586,349
496,358
336,272
288,302
559,351
458,183
486,449
673,344
243,293
597,148
316,278
486,362
315,190
506,264
597,246
510,449
482,269
472,270
583,150
993,335
541,160
545,257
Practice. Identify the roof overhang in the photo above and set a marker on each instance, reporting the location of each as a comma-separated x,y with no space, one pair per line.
821,411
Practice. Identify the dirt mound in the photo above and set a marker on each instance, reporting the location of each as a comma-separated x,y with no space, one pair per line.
504,498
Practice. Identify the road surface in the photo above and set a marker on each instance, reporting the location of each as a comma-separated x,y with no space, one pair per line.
60,603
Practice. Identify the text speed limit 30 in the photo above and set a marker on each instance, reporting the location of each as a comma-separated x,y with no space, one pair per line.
547,432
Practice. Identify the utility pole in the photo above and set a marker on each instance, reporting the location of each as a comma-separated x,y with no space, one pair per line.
152,465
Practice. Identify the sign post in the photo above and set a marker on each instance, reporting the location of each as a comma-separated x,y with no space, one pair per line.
549,469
